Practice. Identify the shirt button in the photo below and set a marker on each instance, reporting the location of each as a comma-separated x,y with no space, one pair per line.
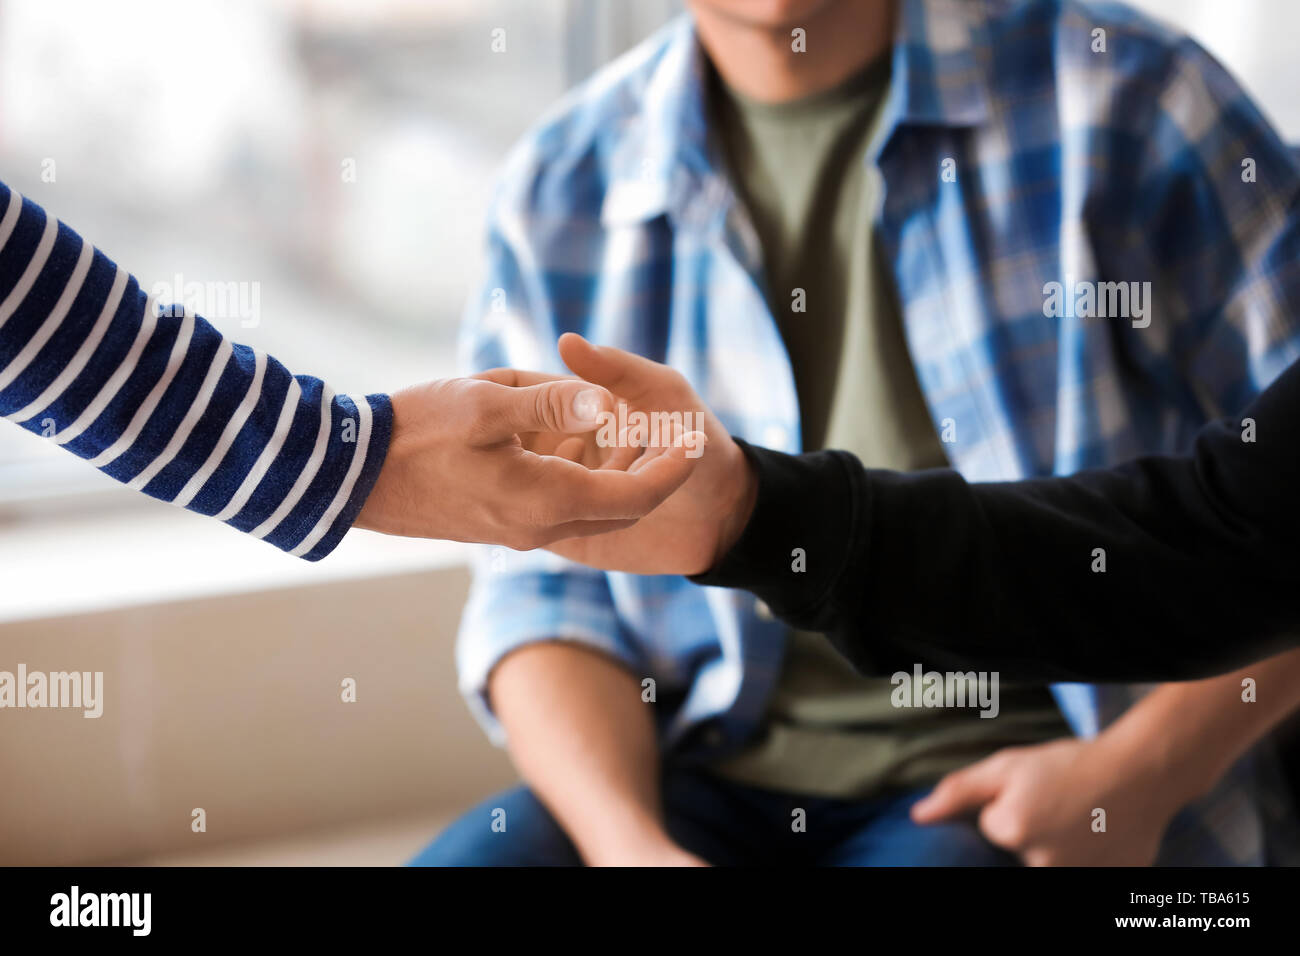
762,610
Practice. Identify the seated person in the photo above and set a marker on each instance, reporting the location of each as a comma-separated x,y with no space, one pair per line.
852,248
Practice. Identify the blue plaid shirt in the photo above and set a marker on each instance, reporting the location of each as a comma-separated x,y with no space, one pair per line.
615,218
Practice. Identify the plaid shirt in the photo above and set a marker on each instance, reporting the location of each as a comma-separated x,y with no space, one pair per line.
616,218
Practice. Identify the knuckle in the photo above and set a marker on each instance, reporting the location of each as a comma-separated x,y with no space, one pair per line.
476,407
1009,832
549,408
1003,760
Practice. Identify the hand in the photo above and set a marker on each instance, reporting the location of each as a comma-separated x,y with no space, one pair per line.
656,850
669,855
1038,802
690,531
456,467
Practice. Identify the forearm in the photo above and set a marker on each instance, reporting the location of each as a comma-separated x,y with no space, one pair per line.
166,403
1130,574
1189,734
1049,579
582,738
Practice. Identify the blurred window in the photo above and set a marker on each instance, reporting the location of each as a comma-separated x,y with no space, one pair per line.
331,155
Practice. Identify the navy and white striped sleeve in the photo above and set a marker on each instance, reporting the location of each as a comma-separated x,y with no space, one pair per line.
168,405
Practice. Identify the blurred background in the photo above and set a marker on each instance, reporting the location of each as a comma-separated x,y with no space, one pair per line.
338,155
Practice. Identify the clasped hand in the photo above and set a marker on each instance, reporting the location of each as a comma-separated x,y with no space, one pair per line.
530,460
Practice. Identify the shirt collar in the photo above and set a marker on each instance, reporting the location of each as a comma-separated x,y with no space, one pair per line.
938,77
665,163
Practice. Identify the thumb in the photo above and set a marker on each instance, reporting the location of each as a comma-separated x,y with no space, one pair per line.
959,793
627,375
564,405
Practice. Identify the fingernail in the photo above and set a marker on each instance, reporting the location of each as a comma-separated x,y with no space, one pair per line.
586,405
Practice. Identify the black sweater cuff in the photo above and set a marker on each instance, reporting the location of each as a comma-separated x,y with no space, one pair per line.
804,532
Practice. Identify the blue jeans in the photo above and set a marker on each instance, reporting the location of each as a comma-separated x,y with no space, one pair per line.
727,824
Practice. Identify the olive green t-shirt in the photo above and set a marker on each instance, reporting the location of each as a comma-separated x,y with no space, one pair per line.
801,170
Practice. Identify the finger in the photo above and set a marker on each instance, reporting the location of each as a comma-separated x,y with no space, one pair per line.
519,378
571,449
624,453
621,457
1003,824
628,375
650,453
641,463
565,405
959,793
545,443
693,443
572,492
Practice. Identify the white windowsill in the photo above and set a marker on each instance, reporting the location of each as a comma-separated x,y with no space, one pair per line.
57,566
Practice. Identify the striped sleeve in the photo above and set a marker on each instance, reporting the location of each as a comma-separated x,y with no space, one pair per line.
166,404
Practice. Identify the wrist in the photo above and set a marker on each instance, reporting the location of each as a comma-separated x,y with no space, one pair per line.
739,500
377,511
623,835
640,845
1163,769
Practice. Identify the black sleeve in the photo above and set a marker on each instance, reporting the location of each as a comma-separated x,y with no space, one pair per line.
1201,558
